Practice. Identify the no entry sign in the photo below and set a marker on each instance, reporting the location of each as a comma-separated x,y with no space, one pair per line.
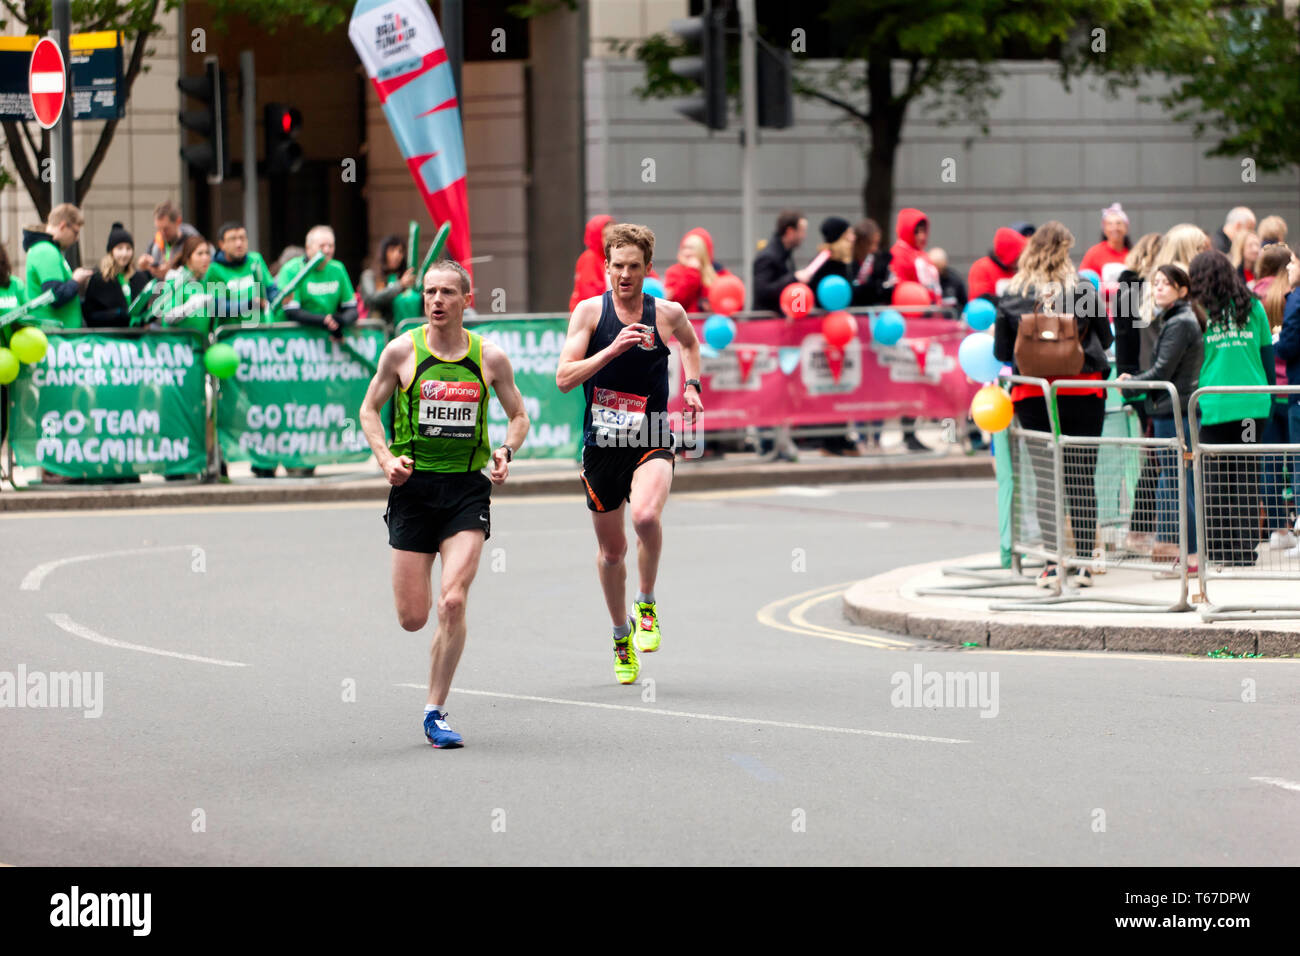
46,81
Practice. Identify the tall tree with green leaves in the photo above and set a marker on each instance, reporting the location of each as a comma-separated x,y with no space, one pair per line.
138,21
1234,69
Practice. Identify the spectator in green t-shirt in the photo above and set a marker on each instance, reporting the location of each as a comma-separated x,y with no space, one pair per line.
239,278
185,302
47,269
325,298
1238,351
13,293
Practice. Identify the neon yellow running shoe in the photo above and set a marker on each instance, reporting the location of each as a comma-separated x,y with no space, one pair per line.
647,629
626,664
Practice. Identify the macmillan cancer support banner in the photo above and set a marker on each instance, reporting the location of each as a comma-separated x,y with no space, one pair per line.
533,347
112,404
296,398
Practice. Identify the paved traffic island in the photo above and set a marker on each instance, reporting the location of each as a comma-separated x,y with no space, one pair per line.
891,602
354,483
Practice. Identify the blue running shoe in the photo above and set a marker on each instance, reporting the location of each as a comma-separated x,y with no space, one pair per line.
438,733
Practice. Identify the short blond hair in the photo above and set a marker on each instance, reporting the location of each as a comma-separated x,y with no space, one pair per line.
450,265
1272,229
66,214
628,234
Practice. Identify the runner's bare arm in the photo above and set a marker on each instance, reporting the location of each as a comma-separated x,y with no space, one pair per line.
501,377
386,380
574,368
684,333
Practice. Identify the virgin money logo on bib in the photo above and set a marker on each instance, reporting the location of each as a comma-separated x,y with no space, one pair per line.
450,391
449,409
616,416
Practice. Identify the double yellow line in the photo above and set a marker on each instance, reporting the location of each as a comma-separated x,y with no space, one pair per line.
790,614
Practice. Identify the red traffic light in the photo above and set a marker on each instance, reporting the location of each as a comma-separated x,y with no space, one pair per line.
286,122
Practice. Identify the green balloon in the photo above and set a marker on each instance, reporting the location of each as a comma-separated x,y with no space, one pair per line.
29,345
221,360
8,366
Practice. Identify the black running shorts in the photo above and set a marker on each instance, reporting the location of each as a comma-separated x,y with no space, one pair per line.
432,506
607,473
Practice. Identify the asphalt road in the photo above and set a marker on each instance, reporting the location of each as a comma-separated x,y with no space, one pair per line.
281,721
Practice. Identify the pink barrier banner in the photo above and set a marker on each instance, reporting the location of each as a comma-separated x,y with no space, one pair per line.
778,372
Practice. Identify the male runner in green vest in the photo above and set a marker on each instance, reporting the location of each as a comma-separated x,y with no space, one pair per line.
438,376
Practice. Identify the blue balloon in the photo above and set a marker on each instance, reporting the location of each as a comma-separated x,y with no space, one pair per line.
888,327
975,356
834,292
719,330
980,314
652,286
1091,277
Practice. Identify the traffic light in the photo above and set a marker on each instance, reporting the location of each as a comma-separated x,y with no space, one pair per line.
775,96
209,88
706,38
283,151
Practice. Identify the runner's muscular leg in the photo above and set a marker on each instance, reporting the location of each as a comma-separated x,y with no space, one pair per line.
460,558
412,588
611,543
650,485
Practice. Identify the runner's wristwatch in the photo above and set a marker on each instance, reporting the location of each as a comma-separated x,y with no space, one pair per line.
510,452
695,382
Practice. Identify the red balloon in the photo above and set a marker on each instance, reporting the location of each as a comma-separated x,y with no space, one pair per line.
727,295
912,293
839,329
797,300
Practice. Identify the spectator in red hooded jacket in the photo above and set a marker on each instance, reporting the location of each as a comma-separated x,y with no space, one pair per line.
589,277
907,258
687,281
589,273
989,276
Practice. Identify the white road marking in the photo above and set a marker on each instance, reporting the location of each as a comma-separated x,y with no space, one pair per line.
693,716
78,630
38,574
1279,782
805,491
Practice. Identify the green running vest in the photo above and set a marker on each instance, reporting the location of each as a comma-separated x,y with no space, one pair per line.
440,419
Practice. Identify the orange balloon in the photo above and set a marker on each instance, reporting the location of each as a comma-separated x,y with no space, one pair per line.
992,409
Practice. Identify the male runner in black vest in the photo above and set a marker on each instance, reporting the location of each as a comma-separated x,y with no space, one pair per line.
616,350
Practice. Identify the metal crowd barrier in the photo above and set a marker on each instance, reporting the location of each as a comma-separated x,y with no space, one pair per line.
1229,525
1093,481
